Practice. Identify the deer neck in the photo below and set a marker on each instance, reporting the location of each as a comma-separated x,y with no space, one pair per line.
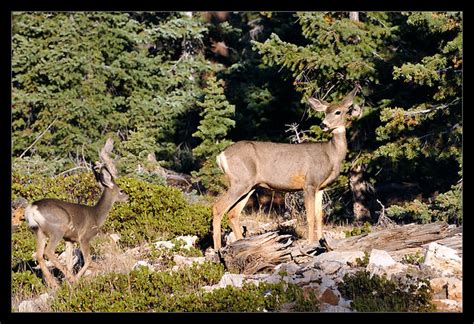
103,206
338,145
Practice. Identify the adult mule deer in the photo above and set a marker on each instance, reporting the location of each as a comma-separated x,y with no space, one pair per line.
286,167
56,219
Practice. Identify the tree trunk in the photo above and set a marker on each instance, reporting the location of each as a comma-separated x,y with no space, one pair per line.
360,191
354,15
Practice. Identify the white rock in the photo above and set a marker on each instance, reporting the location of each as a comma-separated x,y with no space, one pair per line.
231,279
230,238
443,258
447,305
115,237
187,261
288,268
142,264
228,279
345,302
327,282
35,305
76,257
327,308
381,258
344,257
190,241
332,261
312,275
28,306
381,263
444,287
163,244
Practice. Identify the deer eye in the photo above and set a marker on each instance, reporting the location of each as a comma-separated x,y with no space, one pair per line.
337,112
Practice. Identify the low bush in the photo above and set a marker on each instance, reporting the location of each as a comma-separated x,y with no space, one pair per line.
359,230
445,207
26,284
143,290
378,294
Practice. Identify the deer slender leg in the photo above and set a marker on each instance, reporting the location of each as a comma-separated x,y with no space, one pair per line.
49,252
318,206
223,204
69,256
40,244
234,214
86,253
309,197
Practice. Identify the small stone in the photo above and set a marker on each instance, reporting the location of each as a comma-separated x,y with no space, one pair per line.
115,237
235,280
328,308
447,305
446,288
187,261
35,305
329,297
142,264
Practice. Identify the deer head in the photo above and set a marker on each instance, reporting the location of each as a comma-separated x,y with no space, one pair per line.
105,172
337,115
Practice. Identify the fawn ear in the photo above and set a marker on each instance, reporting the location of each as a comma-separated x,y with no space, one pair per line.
349,98
318,105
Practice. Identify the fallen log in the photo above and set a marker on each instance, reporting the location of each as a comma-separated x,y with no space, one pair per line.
265,251
400,238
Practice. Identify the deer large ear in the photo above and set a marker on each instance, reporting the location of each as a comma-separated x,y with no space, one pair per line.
318,105
349,98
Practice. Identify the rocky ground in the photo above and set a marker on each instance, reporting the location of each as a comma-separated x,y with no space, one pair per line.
315,271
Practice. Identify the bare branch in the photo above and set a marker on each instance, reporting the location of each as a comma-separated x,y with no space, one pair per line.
75,168
424,111
38,138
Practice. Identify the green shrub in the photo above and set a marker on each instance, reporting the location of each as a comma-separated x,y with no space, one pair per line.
26,284
415,259
23,246
445,207
378,294
364,262
154,212
448,206
143,290
77,188
411,211
359,230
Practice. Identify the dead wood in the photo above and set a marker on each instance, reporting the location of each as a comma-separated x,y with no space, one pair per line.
399,238
254,254
264,251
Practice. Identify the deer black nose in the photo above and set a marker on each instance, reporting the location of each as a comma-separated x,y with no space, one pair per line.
323,126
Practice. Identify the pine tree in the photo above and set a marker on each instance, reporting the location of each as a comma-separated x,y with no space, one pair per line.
91,74
215,123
